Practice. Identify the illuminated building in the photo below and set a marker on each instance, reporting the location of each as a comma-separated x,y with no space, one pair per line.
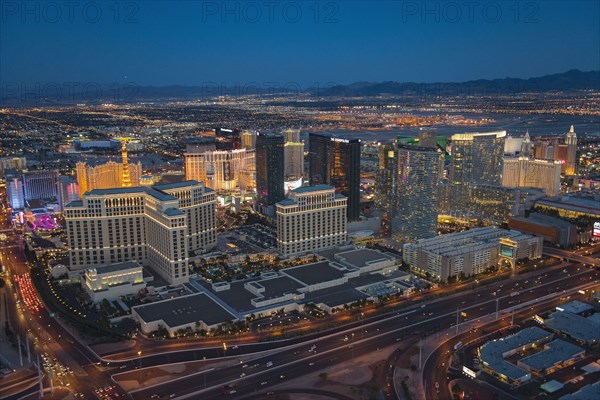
574,206
125,176
571,158
291,135
526,172
113,281
336,162
526,145
477,158
157,226
386,179
469,252
269,170
415,194
40,184
490,204
220,169
293,155
107,176
248,140
16,163
68,190
14,189
310,219
227,139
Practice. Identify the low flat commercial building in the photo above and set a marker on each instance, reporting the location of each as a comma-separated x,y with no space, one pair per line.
196,311
576,307
320,275
493,354
470,252
557,354
553,230
367,260
326,284
587,392
113,281
583,330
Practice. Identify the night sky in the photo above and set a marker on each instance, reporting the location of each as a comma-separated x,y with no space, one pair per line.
194,42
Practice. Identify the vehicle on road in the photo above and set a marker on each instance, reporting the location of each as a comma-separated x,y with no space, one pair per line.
458,345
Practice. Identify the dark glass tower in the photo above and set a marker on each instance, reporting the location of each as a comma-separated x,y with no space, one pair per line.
269,168
336,162
227,139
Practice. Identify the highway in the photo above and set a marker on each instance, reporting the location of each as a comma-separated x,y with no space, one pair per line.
47,337
335,348
573,256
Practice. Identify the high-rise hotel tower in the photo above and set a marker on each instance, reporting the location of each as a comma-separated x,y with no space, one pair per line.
157,226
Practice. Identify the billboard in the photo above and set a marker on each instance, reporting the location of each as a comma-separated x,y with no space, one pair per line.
506,250
596,231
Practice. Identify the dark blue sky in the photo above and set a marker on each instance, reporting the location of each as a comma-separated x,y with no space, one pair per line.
194,42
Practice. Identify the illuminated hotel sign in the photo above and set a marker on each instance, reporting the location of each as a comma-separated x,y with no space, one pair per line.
340,140
469,372
596,231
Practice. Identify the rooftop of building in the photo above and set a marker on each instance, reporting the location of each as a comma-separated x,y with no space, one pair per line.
237,297
185,310
171,178
363,257
473,239
333,136
335,296
554,352
492,352
315,188
587,392
277,287
176,185
575,307
573,203
132,190
542,219
122,266
172,212
576,326
287,202
552,386
311,274
471,135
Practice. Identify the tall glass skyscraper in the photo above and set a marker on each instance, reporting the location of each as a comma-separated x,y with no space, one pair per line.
477,158
336,162
269,169
415,203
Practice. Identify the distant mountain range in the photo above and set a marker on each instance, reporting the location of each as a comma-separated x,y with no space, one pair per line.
14,94
570,80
